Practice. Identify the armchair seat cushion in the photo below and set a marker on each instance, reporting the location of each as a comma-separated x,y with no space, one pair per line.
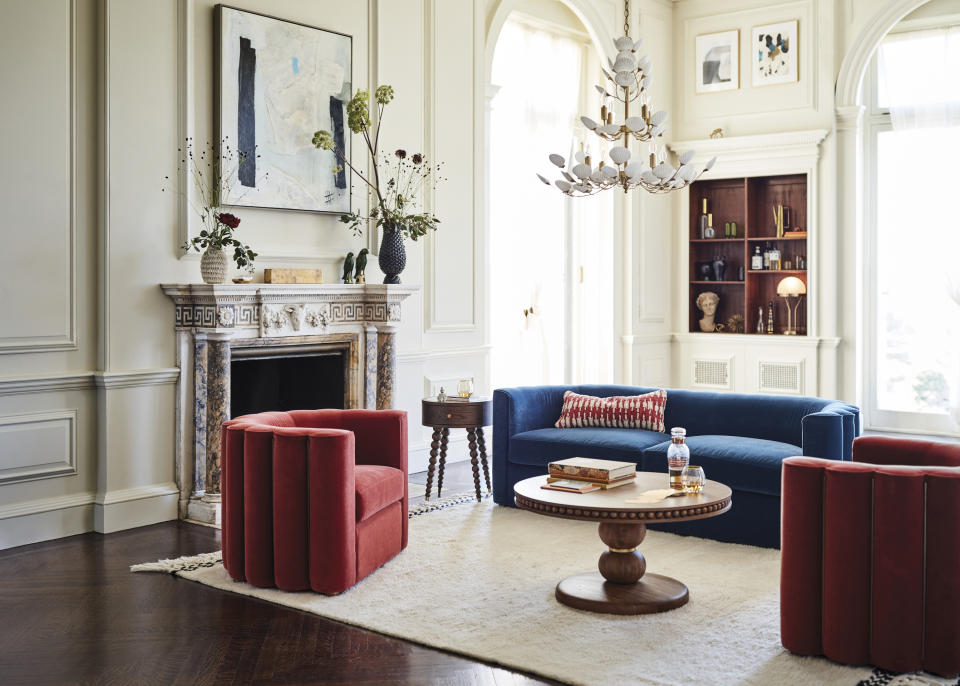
743,464
540,446
376,488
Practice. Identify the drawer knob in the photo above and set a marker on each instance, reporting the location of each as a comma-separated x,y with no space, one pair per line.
449,416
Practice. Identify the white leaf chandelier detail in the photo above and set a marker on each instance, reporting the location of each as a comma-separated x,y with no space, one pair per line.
628,81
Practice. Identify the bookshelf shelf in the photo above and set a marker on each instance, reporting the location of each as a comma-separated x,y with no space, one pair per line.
748,201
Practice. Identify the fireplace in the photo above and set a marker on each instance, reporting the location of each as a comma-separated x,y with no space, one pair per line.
254,347
297,378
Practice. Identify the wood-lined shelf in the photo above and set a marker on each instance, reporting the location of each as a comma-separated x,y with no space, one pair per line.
748,201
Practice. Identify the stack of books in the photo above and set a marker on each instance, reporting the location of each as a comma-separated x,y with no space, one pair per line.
586,474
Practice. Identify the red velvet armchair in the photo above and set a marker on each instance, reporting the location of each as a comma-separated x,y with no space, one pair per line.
313,499
870,566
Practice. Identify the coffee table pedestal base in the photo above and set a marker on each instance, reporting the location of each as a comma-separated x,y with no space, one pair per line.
652,593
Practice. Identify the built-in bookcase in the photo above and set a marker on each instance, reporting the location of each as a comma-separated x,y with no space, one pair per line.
750,203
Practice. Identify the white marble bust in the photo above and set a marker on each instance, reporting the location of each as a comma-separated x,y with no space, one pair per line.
707,303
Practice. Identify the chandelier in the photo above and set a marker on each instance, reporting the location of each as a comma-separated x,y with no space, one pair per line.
628,82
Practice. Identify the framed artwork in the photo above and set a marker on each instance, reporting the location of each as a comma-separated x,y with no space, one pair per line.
774,54
278,82
718,62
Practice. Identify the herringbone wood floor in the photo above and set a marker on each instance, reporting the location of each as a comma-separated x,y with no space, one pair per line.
72,613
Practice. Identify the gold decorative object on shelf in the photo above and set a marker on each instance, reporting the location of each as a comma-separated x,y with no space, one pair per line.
292,276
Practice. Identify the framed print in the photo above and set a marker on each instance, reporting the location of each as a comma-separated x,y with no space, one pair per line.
278,82
718,61
774,54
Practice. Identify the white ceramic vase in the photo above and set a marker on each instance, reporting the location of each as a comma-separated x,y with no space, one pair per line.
213,265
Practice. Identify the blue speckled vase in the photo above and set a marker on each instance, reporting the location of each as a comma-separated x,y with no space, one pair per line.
393,256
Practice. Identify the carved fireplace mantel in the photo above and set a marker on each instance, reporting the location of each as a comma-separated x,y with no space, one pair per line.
212,320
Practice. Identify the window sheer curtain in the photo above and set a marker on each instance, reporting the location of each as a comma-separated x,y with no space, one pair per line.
537,74
918,222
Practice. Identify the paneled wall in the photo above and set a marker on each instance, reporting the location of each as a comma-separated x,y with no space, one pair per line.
47,289
87,351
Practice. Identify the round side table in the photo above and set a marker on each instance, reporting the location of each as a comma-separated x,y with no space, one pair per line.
472,415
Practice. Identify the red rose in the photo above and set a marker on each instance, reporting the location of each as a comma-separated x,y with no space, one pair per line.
230,220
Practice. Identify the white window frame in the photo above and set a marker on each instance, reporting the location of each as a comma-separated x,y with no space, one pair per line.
876,121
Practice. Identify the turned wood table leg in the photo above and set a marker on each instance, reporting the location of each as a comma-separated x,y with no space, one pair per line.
483,457
622,586
444,435
434,443
472,439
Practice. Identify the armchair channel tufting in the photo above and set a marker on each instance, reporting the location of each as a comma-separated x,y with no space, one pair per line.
313,499
870,567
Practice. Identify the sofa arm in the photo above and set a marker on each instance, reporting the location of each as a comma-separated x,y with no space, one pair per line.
900,451
830,433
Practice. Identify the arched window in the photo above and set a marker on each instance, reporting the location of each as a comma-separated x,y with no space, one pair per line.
911,321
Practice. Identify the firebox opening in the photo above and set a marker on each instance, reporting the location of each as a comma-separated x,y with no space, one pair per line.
305,381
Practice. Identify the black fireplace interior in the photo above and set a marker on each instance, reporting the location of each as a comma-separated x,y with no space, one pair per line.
308,381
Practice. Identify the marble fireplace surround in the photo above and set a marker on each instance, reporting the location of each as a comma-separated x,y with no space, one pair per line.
212,321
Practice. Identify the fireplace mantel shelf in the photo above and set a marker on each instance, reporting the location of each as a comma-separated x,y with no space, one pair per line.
213,320
285,309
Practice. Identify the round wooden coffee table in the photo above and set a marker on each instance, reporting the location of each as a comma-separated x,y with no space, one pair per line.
621,587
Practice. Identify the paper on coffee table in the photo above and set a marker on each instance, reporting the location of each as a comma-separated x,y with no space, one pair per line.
654,496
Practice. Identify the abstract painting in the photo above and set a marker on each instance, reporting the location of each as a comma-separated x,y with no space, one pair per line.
775,54
280,81
718,61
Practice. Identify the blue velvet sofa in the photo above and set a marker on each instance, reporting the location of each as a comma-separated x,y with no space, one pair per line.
738,439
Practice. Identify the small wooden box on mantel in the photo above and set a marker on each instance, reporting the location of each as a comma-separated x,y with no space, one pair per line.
292,276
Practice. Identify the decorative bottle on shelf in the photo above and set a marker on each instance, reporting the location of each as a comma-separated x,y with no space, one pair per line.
774,257
703,219
770,317
678,456
766,256
709,231
760,327
756,261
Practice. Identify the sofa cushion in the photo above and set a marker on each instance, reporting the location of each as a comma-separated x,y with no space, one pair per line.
619,411
376,488
743,464
541,446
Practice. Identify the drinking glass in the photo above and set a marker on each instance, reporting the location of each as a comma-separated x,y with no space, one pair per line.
692,478
465,388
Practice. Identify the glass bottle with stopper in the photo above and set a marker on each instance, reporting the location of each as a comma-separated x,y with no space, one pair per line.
678,457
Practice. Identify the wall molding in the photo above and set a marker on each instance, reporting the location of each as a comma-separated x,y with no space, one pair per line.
136,378
67,466
67,341
41,505
432,284
47,383
854,64
424,355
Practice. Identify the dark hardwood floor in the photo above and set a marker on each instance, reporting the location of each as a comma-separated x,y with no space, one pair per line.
72,613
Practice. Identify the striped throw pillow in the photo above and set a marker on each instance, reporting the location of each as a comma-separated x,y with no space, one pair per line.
616,412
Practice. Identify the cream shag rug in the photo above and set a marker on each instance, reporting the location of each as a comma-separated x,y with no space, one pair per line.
478,579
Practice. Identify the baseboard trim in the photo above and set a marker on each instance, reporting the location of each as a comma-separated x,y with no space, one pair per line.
132,507
137,493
